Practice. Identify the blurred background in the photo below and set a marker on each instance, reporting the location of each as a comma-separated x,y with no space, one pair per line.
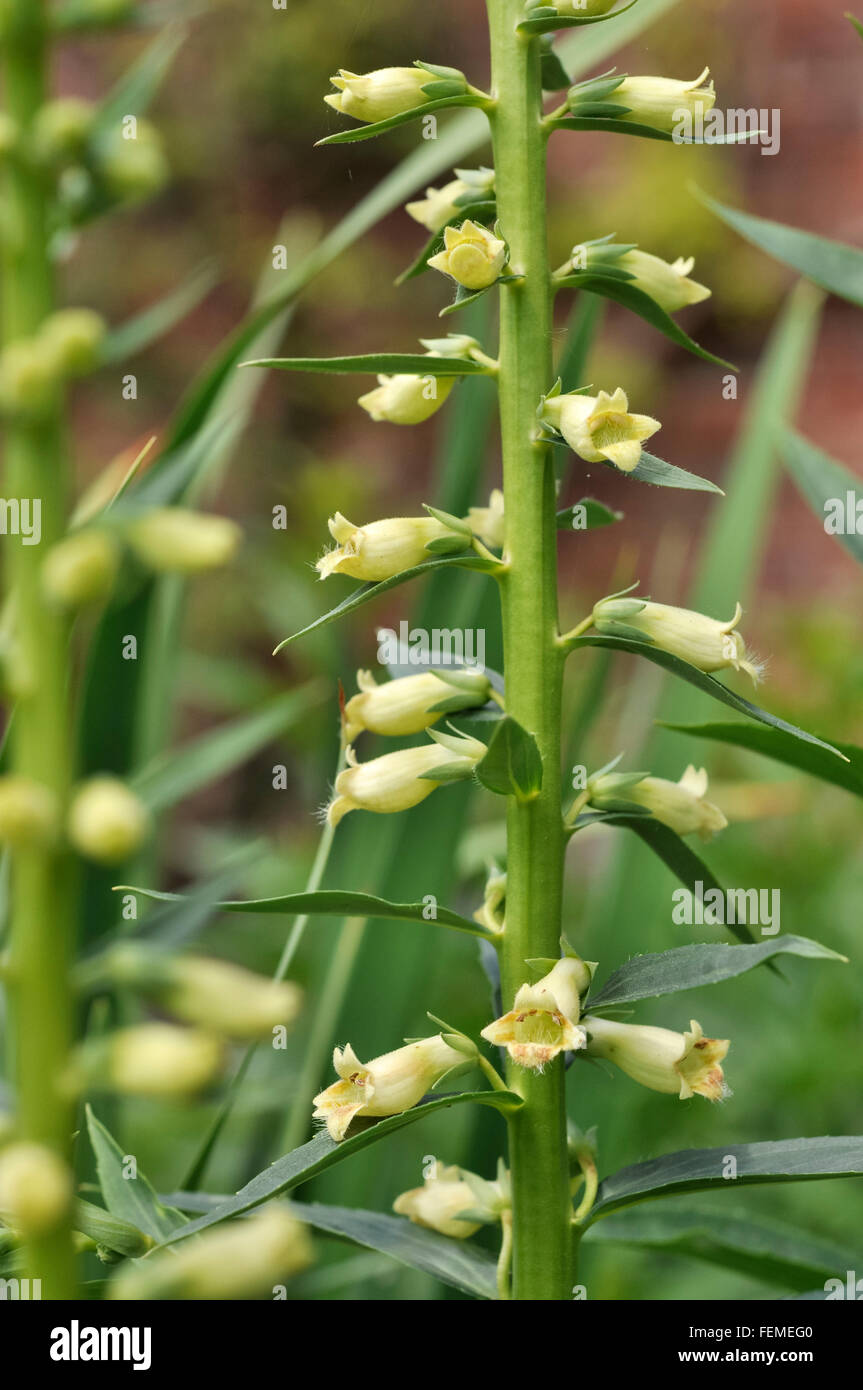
240,114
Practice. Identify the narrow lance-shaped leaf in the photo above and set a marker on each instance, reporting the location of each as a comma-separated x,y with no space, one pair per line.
647,132
154,322
322,1152
730,1166
834,493
631,297
405,363
783,748
692,967
368,132
702,680
129,1198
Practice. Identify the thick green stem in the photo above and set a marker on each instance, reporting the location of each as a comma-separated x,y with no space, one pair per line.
42,913
542,1256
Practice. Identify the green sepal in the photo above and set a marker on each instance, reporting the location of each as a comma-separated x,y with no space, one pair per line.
446,545
448,772
512,765
455,523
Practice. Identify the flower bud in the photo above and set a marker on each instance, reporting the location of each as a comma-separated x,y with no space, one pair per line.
544,1017
449,1191
80,569
407,399
29,812
375,96
492,913
150,1059
212,994
398,781
384,548
73,339
107,822
488,522
681,1064
62,128
682,806
599,428
174,540
28,379
472,255
408,705
660,102
133,168
703,642
441,205
36,1188
387,1086
241,1260
667,283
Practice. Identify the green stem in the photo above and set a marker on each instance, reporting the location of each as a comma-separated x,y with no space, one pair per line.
42,921
542,1255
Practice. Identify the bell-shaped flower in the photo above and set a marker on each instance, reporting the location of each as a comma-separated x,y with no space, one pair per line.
455,1202
472,255
599,428
385,548
398,781
407,399
661,102
680,1064
704,642
389,1085
375,96
441,205
544,1018
410,704
682,806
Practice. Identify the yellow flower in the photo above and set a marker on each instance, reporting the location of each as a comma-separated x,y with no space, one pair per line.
680,805
600,428
107,822
152,1059
36,1188
382,549
407,399
544,1017
488,522
72,339
178,541
406,705
80,569
375,96
667,283
681,1064
703,642
397,781
389,1085
661,101
448,1191
472,255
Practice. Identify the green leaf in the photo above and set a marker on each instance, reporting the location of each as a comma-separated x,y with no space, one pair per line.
179,772
822,480
782,748
367,592
129,1199
416,113
554,75
406,363
322,1152
513,765
595,514
624,292
109,1231
657,473
454,1262
138,87
331,902
547,23
852,19
691,967
139,332
699,1170
702,681
757,1246
830,264
645,132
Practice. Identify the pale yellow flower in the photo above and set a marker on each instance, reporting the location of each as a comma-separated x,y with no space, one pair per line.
389,1085
544,1017
472,255
682,806
600,428
681,1064
381,549
398,781
406,705
407,399
488,522
704,642
662,101
375,96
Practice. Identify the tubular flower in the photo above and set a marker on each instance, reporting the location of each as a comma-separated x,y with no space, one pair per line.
408,705
488,522
661,101
600,428
80,569
407,399
107,822
375,96
703,642
441,205
157,1059
681,1064
388,1085
472,255
544,1017
176,540
397,781
667,282
384,548
448,1192
36,1188
680,805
